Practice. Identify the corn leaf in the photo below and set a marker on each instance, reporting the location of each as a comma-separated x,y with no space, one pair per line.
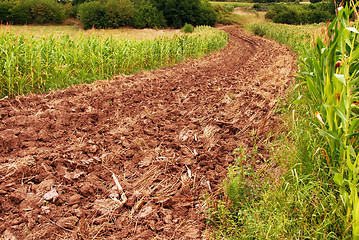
352,29
341,78
330,134
338,179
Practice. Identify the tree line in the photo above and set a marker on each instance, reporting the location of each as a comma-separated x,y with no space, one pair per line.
110,13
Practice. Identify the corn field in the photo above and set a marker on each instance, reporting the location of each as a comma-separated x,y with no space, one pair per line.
330,76
33,64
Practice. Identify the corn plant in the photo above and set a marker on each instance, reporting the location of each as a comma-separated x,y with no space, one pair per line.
37,64
330,74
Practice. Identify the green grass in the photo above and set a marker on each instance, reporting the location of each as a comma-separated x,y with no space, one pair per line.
297,37
30,63
309,190
230,6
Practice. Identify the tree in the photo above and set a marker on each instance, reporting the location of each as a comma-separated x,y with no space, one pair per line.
179,12
119,12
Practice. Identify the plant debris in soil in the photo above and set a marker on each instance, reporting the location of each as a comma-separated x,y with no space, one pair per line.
166,136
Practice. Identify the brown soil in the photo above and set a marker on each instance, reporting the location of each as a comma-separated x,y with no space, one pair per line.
167,135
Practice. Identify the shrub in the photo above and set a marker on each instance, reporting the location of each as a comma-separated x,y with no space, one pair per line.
259,31
179,12
73,11
147,15
119,12
289,17
207,15
93,14
5,11
32,11
45,11
187,28
313,13
21,13
226,17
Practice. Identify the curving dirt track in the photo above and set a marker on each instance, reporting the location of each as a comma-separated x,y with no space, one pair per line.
167,135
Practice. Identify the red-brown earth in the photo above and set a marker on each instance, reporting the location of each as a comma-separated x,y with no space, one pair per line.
167,135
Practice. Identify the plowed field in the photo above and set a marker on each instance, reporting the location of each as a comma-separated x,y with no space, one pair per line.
166,135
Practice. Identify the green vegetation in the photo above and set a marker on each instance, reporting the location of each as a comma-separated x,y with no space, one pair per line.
295,37
187,28
315,196
33,64
110,13
230,6
32,11
301,14
226,17
330,73
147,15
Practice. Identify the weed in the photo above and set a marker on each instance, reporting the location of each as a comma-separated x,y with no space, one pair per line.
187,28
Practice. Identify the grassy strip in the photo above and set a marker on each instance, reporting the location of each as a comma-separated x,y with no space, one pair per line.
31,64
230,6
303,201
297,37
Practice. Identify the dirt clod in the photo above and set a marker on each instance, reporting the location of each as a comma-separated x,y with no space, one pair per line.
168,136
68,222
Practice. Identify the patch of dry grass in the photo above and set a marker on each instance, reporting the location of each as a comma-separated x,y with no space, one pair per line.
74,31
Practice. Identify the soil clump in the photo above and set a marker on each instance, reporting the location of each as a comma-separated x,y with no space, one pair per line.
167,136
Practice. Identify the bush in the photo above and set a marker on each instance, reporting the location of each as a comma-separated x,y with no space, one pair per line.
207,15
119,12
259,31
21,13
226,17
45,11
307,14
289,17
93,14
147,15
188,28
5,11
32,11
179,12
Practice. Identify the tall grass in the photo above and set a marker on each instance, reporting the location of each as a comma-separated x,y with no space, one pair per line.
297,37
37,64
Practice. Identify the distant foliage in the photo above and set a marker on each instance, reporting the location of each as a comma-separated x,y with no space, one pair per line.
272,1
179,12
226,17
110,13
187,28
5,11
208,15
301,14
32,11
119,13
45,11
93,14
147,15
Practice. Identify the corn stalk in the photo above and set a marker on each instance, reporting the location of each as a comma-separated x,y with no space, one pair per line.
330,73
